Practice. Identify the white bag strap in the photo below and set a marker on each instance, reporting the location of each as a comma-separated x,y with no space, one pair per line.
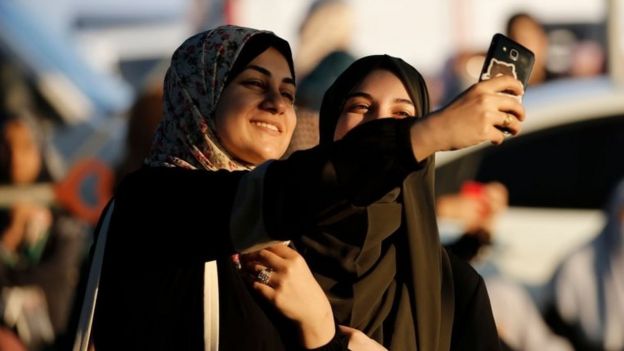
83,335
211,307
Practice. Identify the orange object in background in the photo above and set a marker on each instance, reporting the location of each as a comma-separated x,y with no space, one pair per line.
69,192
472,189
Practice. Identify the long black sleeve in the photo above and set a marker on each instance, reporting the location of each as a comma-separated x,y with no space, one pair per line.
181,214
371,160
167,222
173,214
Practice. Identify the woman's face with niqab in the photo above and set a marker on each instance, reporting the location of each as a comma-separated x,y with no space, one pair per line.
381,94
255,117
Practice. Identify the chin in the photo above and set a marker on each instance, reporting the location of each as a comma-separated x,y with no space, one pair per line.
257,160
271,155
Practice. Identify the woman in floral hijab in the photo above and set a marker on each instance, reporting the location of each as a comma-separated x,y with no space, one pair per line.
227,106
193,86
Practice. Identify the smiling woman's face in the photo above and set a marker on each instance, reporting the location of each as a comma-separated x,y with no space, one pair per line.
255,117
380,95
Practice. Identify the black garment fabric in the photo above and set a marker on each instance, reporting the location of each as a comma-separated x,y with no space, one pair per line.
168,222
474,327
151,288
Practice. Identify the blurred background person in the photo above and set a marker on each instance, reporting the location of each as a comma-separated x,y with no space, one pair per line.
588,59
322,53
143,118
472,212
463,68
460,71
587,297
40,247
325,34
475,210
528,31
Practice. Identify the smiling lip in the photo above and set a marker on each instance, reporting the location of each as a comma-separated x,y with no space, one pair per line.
269,126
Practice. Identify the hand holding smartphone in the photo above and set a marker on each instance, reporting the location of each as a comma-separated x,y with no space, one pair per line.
507,57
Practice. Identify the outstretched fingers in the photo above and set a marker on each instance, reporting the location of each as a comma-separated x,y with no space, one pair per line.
504,84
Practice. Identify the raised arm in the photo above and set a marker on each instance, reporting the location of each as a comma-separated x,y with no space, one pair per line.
286,198
474,117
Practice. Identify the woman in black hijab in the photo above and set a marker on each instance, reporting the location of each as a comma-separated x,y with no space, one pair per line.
381,263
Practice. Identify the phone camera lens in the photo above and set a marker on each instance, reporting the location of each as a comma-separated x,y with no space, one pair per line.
513,54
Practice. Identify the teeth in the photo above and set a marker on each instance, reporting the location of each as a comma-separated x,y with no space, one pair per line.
266,125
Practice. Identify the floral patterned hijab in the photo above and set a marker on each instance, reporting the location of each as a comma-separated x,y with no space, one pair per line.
199,72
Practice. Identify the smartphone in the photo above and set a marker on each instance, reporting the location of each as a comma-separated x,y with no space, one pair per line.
506,56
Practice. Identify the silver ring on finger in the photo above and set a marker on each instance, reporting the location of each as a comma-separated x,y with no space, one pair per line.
264,276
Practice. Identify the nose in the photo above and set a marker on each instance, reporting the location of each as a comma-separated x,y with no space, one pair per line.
377,113
274,102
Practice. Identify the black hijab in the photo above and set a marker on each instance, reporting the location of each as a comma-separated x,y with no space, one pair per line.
382,265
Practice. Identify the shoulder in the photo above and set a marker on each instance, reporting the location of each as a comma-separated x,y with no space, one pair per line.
158,179
464,275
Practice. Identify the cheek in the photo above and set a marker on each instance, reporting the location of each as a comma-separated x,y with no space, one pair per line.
227,119
227,135
226,110
221,127
291,124
346,123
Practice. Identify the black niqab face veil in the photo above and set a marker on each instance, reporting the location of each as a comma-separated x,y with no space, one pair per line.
334,98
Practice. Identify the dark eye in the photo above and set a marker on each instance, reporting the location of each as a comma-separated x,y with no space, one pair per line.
358,108
254,83
402,114
289,96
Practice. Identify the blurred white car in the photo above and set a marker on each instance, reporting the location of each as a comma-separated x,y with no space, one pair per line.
559,173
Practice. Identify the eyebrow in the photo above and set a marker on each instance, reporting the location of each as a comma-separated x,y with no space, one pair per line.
370,97
267,73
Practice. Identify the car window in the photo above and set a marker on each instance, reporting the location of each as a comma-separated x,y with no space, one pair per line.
571,166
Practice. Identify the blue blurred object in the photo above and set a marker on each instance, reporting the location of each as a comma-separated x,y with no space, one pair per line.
88,102
44,54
